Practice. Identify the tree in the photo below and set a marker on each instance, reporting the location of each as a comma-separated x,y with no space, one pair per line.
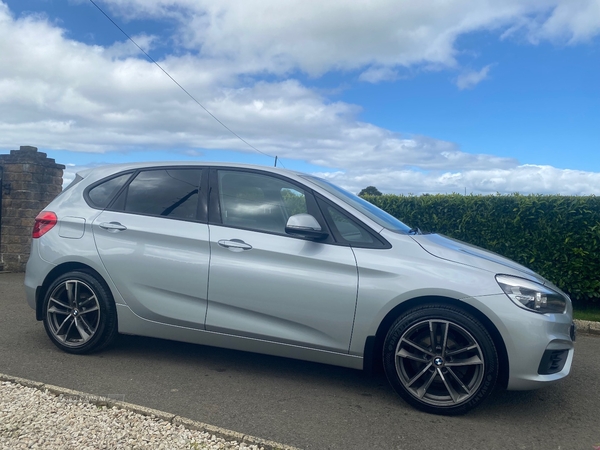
369,190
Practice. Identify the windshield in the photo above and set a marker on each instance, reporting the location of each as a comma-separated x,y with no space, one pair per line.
368,209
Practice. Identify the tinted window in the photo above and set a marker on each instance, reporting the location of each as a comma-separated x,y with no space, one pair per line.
165,192
348,229
259,202
368,209
101,195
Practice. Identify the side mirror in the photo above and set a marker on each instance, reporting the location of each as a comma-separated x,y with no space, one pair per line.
306,226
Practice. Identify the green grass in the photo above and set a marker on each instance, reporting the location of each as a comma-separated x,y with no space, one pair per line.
587,313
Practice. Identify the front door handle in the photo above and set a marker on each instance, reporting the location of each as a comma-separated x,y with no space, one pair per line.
235,245
112,227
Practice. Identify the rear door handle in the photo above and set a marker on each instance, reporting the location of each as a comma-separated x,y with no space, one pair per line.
235,245
112,227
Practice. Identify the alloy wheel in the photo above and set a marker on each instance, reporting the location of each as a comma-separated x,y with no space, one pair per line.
73,313
439,362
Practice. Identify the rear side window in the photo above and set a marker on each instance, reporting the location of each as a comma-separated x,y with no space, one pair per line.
101,194
170,193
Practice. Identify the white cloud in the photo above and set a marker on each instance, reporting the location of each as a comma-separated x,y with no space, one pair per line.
369,35
377,74
573,20
524,179
469,80
58,93
127,48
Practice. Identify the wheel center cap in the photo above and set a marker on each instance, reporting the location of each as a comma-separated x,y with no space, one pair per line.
438,361
75,313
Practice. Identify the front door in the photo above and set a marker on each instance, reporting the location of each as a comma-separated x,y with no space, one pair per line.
268,285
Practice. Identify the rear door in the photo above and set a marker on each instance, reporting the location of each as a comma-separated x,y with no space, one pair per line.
153,242
266,284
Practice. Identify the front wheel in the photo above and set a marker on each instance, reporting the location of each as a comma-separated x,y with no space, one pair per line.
79,313
440,359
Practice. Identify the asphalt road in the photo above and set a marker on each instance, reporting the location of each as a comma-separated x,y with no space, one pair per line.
311,406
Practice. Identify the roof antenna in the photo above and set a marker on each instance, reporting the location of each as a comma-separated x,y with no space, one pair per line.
275,161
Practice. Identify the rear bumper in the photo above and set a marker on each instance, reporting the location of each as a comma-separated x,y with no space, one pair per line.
36,271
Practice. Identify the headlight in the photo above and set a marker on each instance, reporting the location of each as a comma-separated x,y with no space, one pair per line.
532,296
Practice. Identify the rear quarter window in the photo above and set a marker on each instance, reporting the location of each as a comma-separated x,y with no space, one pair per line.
100,195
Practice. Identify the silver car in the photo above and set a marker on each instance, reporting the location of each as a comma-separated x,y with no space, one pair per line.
283,263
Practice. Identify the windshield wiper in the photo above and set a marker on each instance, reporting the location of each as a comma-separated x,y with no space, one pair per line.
415,230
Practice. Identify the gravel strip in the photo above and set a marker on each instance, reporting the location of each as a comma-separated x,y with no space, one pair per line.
34,418
587,327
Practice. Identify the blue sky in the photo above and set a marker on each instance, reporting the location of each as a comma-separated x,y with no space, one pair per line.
410,97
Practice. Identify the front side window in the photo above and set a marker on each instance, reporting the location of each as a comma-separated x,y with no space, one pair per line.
348,229
170,193
258,202
377,215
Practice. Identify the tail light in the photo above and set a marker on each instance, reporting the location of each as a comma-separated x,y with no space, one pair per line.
44,222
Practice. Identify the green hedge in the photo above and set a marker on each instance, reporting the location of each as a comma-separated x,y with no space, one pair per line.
557,236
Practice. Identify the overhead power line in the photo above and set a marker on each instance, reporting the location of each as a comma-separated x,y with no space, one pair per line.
181,87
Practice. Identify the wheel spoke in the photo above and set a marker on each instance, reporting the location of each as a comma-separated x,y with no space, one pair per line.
423,389
453,394
432,336
403,353
461,350
459,381
63,324
70,288
57,301
472,361
92,309
445,340
87,300
55,310
90,328
82,331
66,335
417,346
419,375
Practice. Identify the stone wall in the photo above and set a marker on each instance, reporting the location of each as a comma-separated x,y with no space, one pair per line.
30,180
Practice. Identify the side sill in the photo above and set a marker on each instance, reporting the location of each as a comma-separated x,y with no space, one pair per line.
130,323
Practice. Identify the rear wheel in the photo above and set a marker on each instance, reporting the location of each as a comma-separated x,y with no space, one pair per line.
440,359
79,313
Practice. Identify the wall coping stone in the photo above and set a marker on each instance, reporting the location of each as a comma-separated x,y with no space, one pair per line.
30,155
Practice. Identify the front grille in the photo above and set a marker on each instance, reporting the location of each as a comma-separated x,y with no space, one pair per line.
553,361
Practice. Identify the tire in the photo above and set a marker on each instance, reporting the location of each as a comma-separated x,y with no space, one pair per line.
450,377
79,313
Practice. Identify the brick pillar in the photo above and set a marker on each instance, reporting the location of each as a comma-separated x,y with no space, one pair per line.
30,180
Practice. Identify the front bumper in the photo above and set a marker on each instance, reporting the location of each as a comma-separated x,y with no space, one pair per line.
539,346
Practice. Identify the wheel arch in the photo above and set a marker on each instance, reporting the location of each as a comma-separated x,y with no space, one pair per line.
373,358
57,272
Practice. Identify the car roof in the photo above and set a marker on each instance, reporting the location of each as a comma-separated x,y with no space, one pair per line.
109,169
